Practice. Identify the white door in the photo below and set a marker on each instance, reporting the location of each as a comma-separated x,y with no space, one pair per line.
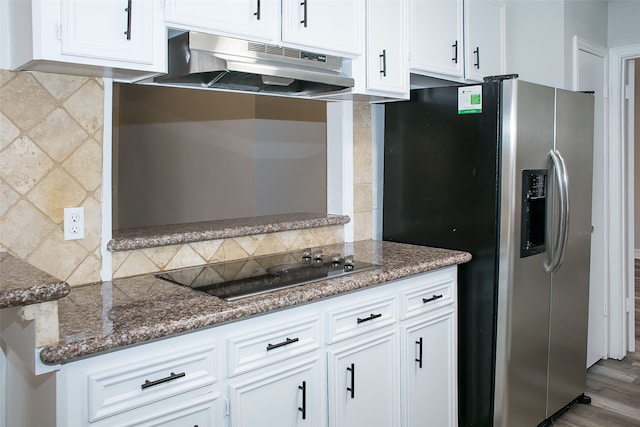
591,68
363,383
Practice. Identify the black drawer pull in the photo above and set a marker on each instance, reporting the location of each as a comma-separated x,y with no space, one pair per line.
282,344
352,389
371,317
171,377
433,298
303,408
419,358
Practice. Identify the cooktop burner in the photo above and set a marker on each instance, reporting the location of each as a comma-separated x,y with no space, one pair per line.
237,279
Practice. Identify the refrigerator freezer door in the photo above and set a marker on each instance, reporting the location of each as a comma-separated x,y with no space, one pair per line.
570,284
525,286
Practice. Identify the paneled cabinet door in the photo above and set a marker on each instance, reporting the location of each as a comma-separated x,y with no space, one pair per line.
115,30
485,38
429,373
436,37
285,396
246,19
386,48
325,25
363,388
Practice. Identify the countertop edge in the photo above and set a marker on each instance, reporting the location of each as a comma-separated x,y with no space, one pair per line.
210,230
65,353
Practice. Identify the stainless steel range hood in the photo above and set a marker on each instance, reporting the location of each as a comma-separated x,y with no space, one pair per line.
209,61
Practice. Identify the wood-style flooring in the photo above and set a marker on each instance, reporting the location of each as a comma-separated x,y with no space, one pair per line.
614,387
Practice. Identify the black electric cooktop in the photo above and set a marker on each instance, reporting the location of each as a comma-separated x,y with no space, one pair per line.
247,277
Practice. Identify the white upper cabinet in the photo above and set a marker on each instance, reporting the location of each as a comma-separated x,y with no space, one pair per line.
387,68
330,26
116,30
437,40
124,39
248,19
485,38
463,40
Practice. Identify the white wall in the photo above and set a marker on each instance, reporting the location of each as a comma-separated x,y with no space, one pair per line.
624,23
535,30
636,160
540,37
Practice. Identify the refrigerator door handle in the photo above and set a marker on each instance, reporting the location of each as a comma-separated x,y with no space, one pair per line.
562,181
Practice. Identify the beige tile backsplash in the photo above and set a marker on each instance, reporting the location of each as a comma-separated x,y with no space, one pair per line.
51,158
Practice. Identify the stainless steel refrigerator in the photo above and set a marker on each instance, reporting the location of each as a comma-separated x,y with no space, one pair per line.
502,170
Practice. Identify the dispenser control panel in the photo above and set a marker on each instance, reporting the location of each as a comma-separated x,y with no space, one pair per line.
534,212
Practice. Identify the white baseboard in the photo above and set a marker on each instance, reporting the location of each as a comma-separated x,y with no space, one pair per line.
636,255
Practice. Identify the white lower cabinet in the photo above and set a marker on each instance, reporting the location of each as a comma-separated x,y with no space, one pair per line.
428,373
285,395
363,382
383,356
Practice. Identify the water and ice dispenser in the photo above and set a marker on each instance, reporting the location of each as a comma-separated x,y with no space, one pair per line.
534,212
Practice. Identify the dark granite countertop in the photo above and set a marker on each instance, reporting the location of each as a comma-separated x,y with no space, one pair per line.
148,237
23,284
105,316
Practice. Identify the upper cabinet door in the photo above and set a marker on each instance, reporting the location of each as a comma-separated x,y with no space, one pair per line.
115,30
436,37
485,38
329,26
246,19
386,47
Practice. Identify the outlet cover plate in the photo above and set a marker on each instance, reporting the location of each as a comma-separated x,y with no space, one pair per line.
74,223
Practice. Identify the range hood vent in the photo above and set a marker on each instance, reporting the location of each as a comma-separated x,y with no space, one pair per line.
209,61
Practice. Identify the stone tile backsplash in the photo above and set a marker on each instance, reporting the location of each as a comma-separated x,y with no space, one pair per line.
51,158
51,130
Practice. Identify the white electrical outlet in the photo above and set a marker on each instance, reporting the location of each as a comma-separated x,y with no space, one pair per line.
73,223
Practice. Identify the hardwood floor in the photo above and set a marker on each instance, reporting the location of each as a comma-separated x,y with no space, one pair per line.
614,387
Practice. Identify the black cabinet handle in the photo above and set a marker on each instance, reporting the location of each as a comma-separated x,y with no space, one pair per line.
383,56
128,10
282,344
433,298
171,377
419,358
455,52
257,12
477,53
352,389
304,20
371,317
303,409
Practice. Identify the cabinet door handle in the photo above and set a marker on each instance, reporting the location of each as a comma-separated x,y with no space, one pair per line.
433,298
303,408
304,19
383,56
371,317
257,12
455,52
171,377
352,389
477,53
282,344
128,10
419,358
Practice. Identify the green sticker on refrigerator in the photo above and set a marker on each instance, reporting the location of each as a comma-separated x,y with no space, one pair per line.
470,99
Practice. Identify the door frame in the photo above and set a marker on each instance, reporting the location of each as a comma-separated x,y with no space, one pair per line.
582,45
620,223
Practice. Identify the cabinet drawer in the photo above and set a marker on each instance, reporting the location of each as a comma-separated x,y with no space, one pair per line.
274,343
126,386
428,293
361,317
